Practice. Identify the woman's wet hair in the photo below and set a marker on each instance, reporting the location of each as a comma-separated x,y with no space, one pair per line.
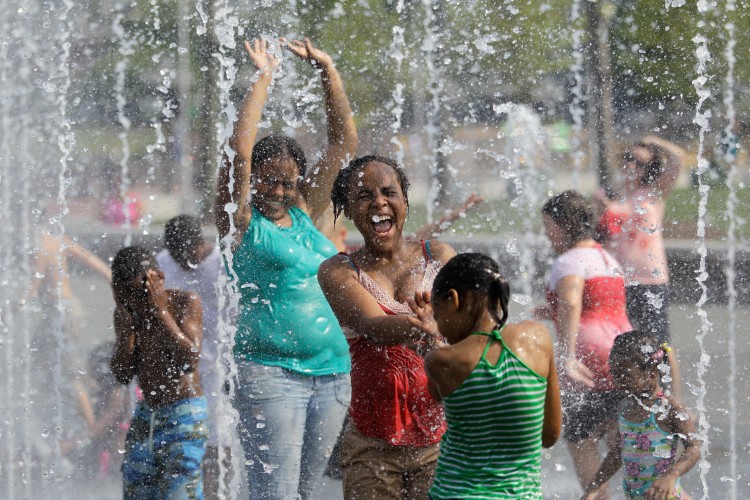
131,262
276,145
182,233
478,275
573,213
342,184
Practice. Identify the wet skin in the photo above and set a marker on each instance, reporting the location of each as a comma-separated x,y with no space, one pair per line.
158,339
375,194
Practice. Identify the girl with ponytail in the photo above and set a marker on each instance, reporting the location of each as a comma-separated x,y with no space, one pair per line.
497,381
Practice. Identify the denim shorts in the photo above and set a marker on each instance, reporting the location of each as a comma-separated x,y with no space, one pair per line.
164,451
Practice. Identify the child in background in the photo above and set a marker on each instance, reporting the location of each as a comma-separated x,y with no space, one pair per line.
106,412
497,381
651,423
158,340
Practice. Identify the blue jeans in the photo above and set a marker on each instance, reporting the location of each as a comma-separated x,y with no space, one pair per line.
164,451
289,424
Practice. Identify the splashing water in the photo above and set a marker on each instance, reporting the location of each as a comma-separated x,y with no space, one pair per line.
730,159
701,119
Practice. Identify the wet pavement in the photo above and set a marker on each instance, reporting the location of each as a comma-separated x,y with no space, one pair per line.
558,475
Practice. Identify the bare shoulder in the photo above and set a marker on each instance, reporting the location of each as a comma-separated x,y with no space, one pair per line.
334,265
438,360
528,333
441,251
531,342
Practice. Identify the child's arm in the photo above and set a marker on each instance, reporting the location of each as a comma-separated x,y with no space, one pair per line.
552,405
609,467
123,363
108,418
663,487
185,337
87,258
437,228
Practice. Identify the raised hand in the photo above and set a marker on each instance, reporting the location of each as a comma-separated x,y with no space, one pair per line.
259,53
157,294
304,50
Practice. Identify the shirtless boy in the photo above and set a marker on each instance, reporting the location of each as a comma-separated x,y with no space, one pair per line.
158,341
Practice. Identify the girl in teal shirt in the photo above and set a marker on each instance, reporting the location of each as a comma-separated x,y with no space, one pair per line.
292,359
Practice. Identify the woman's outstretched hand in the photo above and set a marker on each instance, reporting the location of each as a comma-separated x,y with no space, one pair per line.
304,50
259,53
578,372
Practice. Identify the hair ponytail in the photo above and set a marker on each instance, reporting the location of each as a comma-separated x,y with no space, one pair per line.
478,275
498,296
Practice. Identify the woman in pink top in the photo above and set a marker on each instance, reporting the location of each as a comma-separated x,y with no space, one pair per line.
390,448
586,302
632,226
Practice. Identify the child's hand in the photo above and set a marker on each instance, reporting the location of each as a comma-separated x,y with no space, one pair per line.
157,294
578,372
423,319
662,489
304,50
264,60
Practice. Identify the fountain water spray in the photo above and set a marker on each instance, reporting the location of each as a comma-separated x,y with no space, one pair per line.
730,159
225,25
576,104
125,49
702,120
66,143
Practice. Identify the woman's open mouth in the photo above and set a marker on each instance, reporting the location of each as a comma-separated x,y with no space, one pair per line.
381,224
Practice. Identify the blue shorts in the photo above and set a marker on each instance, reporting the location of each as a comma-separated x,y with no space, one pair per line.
164,451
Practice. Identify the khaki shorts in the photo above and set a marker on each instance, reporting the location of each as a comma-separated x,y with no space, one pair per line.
374,469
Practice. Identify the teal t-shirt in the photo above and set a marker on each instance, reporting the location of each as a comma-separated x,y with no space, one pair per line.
285,319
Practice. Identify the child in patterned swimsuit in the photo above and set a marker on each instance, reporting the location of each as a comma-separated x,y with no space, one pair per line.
651,424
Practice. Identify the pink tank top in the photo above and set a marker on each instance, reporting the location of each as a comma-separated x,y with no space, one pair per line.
390,398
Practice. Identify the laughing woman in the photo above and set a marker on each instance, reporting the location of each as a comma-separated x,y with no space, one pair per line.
390,448
292,359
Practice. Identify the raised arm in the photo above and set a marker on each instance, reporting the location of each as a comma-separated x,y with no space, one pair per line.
233,187
569,292
88,258
184,332
342,132
436,228
675,156
356,309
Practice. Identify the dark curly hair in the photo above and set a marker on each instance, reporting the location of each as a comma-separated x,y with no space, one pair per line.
477,274
340,191
182,233
131,262
275,145
637,347
573,213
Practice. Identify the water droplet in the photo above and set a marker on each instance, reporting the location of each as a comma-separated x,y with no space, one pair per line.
45,433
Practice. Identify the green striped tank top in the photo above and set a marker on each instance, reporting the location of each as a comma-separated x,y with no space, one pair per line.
492,448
